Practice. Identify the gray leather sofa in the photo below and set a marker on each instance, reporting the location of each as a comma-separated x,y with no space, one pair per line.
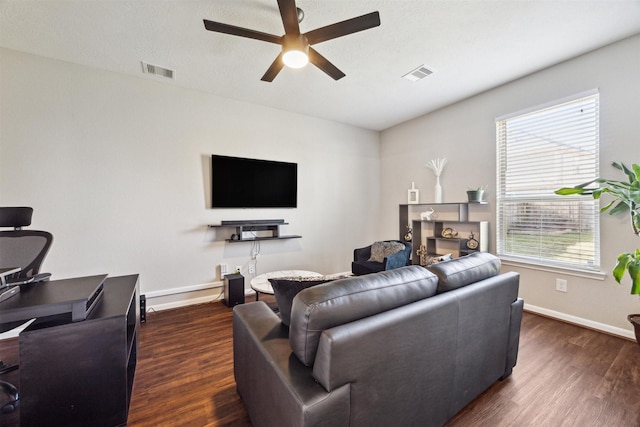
405,347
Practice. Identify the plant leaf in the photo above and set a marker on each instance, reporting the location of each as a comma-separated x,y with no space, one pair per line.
619,208
567,191
621,266
635,218
636,170
604,209
630,174
634,272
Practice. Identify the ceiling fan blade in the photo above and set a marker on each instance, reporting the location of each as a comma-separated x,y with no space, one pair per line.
323,63
289,14
343,28
219,27
273,70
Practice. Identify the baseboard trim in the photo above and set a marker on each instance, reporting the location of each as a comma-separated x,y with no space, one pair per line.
608,329
182,290
217,295
182,303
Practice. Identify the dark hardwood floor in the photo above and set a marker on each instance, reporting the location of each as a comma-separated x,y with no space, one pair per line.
566,376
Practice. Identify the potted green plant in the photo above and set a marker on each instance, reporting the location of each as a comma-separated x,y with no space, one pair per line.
476,194
626,199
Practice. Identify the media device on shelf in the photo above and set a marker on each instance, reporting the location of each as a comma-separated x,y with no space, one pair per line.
252,183
257,229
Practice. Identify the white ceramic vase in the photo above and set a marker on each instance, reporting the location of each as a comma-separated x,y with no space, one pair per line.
437,191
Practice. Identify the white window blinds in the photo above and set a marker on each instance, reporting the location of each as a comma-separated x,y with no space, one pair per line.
539,152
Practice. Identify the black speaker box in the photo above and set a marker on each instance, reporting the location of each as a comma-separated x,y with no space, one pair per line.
143,308
233,289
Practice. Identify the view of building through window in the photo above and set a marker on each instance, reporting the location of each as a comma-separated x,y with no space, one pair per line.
539,152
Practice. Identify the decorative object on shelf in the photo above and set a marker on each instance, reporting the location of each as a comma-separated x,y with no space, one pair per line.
472,243
476,195
437,166
413,197
409,234
422,253
449,233
438,258
427,215
429,233
255,230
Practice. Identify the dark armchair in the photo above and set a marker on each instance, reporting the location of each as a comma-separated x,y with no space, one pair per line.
380,256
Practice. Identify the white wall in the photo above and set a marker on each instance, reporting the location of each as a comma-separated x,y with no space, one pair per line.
117,168
464,133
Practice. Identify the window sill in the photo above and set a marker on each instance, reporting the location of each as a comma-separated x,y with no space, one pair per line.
597,275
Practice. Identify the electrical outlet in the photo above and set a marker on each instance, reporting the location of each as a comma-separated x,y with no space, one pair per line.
561,285
238,269
224,269
252,269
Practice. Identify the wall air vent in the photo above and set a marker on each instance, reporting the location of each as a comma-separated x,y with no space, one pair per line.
418,74
157,70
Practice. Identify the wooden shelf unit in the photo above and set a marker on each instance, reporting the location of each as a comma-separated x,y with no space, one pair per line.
430,232
81,373
253,227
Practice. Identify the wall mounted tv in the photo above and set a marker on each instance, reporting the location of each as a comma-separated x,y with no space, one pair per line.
251,183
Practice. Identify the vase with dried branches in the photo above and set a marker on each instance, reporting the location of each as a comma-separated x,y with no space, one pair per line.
437,166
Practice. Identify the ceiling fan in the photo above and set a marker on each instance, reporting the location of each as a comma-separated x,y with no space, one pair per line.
296,47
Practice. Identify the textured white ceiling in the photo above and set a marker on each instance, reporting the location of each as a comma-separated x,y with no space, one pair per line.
471,45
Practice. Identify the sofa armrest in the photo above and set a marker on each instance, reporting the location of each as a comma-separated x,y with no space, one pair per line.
514,336
272,381
362,254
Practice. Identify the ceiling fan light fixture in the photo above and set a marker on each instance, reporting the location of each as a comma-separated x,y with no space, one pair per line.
296,51
295,46
295,59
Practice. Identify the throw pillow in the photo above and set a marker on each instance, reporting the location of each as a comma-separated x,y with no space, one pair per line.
436,259
381,250
286,288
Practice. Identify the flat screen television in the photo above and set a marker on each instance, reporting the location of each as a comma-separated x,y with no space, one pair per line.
251,183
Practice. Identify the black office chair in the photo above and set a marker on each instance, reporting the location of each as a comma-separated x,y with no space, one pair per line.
24,249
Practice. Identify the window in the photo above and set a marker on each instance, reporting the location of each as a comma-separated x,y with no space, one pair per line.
540,151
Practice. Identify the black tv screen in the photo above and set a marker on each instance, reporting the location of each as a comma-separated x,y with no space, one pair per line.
251,183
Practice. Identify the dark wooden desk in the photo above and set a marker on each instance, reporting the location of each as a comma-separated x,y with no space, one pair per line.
80,373
77,296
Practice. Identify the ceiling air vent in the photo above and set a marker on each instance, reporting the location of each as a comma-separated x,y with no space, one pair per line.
418,74
157,70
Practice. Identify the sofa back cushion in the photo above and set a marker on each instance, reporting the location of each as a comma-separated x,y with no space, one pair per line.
346,300
465,270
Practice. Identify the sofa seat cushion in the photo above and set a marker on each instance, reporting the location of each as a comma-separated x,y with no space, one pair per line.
465,270
286,288
342,301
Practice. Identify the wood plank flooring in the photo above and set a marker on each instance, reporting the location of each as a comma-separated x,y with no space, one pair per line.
566,376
